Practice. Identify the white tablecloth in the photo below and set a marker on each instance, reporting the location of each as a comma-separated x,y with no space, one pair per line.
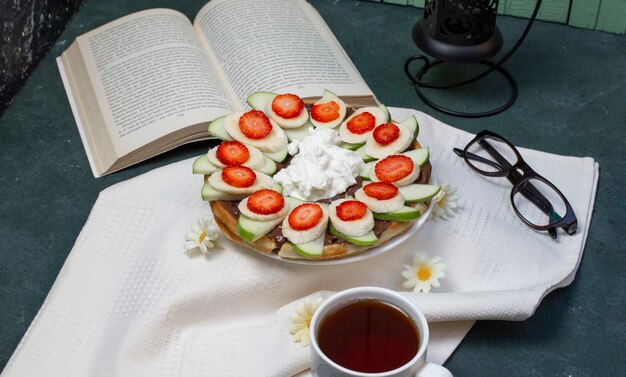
128,302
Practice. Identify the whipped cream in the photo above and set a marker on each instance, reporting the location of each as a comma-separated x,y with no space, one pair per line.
321,169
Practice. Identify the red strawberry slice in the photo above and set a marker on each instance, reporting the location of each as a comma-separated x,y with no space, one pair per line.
265,202
325,112
238,176
232,153
305,216
361,123
386,133
287,105
351,210
255,124
393,168
380,190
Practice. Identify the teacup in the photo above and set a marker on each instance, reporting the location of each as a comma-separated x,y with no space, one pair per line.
350,330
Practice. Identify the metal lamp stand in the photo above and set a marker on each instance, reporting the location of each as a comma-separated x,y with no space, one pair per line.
462,31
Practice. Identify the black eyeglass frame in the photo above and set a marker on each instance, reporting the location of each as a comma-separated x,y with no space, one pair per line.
568,222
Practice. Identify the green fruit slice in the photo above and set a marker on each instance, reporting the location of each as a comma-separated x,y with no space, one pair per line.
259,100
364,156
386,111
278,156
269,166
419,156
417,193
411,124
202,165
251,230
366,169
300,132
209,194
216,128
364,240
351,146
293,202
403,214
328,94
311,249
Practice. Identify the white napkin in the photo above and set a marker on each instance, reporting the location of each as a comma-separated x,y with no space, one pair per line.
128,302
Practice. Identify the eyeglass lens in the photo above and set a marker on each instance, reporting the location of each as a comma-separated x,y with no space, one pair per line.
491,155
538,203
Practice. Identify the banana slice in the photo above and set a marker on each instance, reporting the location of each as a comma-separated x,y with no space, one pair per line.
302,236
328,97
274,141
349,137
415,173
296,122
256,160
379,206
354,227
263,181
243,208
374,149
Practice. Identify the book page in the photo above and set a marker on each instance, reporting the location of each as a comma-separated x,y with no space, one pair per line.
278,46
151,77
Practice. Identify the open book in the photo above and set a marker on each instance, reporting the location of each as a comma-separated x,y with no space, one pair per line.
151,81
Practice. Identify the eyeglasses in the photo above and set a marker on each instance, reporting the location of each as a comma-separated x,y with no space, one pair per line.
535,200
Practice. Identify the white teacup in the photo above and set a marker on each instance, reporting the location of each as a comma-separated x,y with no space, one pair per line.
323,366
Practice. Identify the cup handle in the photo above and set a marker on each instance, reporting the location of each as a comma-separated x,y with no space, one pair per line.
433,370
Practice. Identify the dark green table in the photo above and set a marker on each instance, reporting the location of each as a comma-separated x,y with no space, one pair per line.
572,101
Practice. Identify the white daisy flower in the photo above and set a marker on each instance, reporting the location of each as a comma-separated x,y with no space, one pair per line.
424,273
445,202
201,236
301,320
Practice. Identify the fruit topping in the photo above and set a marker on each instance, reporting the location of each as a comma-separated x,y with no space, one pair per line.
380,190
362,123
305,216
255,124
232,153
393,168
351,210
386,133
238,176
265,202
287,105
325,112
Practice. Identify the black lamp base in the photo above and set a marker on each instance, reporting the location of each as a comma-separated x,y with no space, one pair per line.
424,69
455,53
477,53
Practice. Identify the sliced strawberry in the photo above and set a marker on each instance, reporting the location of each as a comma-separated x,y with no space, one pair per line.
386,133
238,176
393,168
351,210
325,112
232,153
380,190
305,216
287,105
255,124
265,202
361,123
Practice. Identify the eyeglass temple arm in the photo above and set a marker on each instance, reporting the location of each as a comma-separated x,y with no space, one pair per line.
476,157
528,190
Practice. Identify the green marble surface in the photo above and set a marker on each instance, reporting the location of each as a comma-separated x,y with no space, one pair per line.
572,91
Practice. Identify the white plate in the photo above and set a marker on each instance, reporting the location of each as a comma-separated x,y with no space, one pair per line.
369,252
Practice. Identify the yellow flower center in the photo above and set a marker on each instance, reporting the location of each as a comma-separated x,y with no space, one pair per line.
424,273
202,235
